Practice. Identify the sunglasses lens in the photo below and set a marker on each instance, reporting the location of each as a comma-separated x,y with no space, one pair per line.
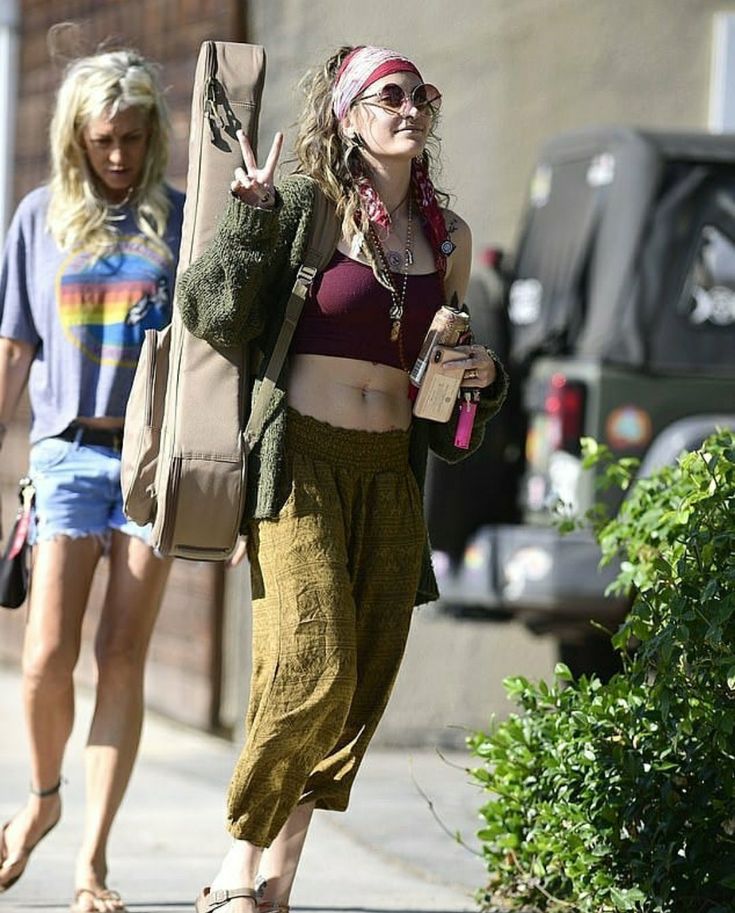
392,96
427,96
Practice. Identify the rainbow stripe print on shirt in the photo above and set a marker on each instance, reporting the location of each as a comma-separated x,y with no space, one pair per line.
106,305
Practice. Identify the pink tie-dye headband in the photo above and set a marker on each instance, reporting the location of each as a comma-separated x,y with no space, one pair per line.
360,69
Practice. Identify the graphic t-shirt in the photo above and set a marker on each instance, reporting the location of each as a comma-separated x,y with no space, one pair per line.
86,316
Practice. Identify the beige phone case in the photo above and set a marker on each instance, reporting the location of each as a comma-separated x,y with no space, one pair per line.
437,394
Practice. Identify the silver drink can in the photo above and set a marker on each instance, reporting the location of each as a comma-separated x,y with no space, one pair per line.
447,328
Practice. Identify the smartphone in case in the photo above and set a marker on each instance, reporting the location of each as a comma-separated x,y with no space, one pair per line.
437,394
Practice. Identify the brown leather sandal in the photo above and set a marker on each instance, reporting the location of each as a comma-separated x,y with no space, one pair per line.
24,854
210,900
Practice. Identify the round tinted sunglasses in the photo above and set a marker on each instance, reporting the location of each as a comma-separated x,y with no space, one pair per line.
426,98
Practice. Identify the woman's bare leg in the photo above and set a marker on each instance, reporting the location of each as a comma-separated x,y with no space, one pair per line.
281,859
62,575
135,586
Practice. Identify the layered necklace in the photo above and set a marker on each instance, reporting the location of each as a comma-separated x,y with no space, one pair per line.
391,261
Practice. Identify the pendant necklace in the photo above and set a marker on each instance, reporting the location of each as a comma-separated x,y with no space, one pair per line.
395,258
398,300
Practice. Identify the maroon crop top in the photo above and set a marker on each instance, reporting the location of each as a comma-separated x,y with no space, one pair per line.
346,314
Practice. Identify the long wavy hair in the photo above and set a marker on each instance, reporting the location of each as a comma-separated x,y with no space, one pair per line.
323,152
95,86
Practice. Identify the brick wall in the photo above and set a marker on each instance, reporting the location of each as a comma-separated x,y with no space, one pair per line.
184,670
168,31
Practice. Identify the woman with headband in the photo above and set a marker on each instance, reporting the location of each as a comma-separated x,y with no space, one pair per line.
336,536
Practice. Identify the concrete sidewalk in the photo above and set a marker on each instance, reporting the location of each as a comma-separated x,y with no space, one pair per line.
386,854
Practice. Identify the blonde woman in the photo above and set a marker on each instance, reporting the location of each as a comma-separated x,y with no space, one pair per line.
336,535
88,265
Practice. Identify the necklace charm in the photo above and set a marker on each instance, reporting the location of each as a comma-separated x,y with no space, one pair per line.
395,330
409,257
394,260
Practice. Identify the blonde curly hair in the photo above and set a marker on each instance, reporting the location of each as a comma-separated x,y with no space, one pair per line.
95,86
323,152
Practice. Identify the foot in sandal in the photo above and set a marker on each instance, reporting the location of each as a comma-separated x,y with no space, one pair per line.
97,900
92,894
20,836
226,900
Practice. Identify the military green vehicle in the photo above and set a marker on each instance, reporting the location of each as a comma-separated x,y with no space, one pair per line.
616,318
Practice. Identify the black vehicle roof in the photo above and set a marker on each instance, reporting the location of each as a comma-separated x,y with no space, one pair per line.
588,244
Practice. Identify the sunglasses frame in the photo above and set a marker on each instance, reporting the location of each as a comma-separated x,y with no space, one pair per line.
429,107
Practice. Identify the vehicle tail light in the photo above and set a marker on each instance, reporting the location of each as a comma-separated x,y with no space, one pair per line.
564,408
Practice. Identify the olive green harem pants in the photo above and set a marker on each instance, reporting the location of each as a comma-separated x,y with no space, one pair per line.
337,572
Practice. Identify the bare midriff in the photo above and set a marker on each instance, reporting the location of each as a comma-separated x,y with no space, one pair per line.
349,393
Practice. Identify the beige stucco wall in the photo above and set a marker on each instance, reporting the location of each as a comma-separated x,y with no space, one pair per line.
513,73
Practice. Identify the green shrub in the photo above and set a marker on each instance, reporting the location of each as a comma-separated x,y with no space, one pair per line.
621,796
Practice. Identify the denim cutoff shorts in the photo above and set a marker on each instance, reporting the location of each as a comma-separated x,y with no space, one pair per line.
78,492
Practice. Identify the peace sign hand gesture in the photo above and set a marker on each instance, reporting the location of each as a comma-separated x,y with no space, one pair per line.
254,185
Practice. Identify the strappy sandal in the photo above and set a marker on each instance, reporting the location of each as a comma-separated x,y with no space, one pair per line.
22,857
210,900
100,900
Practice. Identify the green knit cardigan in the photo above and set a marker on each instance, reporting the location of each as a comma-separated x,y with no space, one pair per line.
236,292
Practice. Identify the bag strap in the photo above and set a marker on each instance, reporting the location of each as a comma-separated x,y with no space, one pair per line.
26,499
324,233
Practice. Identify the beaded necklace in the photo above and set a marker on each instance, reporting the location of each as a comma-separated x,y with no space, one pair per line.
398,300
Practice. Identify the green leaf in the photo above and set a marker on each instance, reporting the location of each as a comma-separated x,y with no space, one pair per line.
562,671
